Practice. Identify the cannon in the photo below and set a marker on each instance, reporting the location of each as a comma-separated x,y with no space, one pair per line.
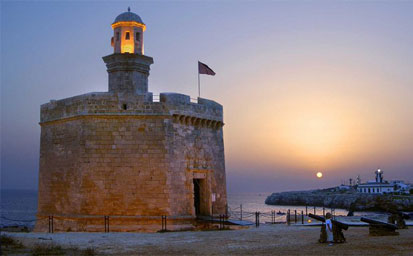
338,236
335,222
398,218
380,228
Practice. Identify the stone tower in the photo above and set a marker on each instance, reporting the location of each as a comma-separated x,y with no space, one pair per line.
128,68
123,155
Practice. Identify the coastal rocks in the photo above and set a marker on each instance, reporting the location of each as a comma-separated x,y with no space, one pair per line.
335,198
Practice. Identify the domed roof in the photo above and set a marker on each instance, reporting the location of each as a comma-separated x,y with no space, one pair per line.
128,16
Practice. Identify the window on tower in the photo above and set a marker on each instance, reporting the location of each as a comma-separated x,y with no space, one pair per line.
127,36
138,36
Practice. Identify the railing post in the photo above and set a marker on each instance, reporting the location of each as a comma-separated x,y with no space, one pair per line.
295,216
106,224
315,213
272,217
324,212
302,217
163,222
288,217
258,219
222,221
226,209
306,212
51,224
241,210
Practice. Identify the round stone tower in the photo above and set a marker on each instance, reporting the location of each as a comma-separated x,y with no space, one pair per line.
122,159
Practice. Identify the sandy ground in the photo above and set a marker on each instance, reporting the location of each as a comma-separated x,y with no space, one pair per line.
266,240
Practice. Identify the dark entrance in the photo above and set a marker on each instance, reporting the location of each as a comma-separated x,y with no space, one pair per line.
197,196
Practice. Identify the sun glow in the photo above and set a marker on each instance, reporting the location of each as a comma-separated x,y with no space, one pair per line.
319,175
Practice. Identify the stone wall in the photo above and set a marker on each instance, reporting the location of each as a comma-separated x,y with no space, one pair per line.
130,158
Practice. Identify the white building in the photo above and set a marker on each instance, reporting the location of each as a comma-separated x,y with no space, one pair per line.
401,187
378,186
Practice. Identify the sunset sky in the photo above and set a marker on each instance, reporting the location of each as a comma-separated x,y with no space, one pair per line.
306,86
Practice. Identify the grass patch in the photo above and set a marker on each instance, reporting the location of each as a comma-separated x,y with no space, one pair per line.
89,252
52,249
7,241
47,249
10,245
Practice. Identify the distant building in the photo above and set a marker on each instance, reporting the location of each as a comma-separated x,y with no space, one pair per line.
378,186
401,187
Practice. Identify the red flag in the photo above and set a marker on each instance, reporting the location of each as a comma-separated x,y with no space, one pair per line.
204,69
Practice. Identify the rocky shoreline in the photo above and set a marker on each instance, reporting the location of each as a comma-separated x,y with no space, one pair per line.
347,199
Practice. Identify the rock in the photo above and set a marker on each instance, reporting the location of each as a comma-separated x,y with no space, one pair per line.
334,198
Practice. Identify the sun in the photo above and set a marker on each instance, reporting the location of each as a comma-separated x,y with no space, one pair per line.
319,175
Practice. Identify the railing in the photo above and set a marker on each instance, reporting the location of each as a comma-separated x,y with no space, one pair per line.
273,217
51,221
157,98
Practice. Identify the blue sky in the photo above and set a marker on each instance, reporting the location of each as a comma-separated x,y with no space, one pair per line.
306,85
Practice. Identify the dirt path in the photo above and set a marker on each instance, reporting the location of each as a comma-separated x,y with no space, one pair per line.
265,240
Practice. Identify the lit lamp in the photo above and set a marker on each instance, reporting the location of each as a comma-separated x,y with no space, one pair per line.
128,31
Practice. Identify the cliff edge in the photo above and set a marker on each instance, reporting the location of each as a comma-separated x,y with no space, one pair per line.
344,199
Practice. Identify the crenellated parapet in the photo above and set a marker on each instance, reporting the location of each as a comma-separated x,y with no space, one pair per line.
197,122
206,113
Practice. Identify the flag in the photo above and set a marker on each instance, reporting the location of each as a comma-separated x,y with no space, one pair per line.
204,69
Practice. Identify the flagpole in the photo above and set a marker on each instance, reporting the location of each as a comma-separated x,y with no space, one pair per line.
199,85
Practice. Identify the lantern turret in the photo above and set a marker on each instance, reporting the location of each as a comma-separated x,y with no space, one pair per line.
128,31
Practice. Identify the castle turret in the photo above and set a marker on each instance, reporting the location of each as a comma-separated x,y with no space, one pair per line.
128,68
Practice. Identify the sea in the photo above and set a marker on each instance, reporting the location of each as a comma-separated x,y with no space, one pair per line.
18,208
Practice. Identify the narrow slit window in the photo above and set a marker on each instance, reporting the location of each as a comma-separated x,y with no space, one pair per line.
127,36
117,36
138,36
